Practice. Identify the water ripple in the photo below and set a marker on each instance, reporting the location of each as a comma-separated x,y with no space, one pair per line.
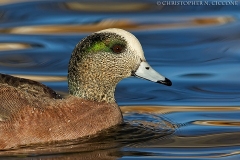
196,47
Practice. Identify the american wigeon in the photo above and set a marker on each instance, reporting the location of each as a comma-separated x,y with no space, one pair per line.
31,112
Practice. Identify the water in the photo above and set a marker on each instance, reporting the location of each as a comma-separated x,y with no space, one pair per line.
196,47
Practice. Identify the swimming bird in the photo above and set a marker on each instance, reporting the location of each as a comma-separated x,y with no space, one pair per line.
32,113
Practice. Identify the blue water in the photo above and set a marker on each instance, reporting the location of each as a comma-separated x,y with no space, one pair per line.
196,47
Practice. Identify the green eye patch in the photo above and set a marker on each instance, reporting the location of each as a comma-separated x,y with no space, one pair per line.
99,46
103,42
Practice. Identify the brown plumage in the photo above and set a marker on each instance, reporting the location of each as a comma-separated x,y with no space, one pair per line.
28,119
32,87
31,112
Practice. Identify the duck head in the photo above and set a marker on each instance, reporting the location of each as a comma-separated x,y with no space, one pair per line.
104,58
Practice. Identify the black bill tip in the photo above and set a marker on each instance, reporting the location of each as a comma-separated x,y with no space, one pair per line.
166,82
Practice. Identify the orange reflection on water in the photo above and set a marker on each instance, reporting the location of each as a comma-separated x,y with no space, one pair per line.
170,109
110,23
218,123
13,46
43,78
110,6
66,29
5,2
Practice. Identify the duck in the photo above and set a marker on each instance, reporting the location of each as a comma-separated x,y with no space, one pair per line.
32,113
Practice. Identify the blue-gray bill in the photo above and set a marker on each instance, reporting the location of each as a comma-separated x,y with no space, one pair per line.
145,71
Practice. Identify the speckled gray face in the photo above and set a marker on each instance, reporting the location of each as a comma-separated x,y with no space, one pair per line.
98,63
104,58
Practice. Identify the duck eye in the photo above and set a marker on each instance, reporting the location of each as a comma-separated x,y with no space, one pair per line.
117,48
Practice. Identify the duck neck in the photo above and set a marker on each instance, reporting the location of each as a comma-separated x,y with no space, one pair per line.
91,90
89,79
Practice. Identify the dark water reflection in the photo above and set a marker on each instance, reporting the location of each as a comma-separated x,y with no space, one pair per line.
197,47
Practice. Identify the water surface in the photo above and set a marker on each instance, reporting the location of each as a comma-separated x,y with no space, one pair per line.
196,47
